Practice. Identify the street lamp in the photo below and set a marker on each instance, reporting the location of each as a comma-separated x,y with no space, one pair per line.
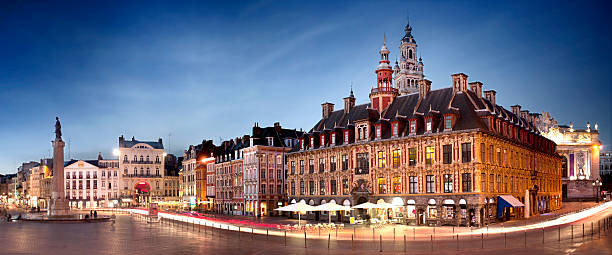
596,187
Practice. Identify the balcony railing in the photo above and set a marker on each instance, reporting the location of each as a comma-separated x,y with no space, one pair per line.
384,89
143,162
143,175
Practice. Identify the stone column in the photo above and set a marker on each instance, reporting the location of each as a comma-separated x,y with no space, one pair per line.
527,204
59,204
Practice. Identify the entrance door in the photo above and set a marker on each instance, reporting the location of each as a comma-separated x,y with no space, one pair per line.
420,217
564,190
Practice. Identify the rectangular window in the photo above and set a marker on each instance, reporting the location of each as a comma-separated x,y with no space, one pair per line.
322,140
430,182
322,188
482,152
397,185
301,166
263,174
491,153
429,155
428,124
491,183
483,182
396,158
293,188
363,165
332,163
466,182
345,187
302,188
311,188
333,138
413,126
447,154
448,121
312,142
395,129
332,187
382,186
413,185
322,165
466,152
345,162
412,156
448,183
311,166
378,131
292,167
499,157
263,189
382,159
346,136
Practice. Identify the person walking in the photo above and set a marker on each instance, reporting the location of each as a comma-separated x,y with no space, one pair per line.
95,214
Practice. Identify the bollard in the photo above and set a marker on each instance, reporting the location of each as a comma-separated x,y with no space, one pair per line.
380,244
413,234
404,243
525,239
238,232
267,234
285,237
481,241
598,230
372,233
543,234
336,232
304,238
252,234
354,231
572,232
319,231
559,234
352,241
328,239
592,230
583,230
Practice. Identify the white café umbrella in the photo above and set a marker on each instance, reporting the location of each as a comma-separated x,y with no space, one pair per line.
297,207
331,207
366,205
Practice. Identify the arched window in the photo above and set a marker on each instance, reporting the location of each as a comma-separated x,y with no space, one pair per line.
125,158
147,158
135,171
135,158
410,54
141,158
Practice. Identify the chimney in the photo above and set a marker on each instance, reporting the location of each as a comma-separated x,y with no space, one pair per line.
277,127
121,139
490,95
525,114
160,140
327,109
256,130
459,82
476,87
349,103
100,156
132,138
516,109
424,88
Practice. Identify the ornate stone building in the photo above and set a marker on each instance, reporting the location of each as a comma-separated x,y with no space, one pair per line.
142,165
447,156
580,149
409,71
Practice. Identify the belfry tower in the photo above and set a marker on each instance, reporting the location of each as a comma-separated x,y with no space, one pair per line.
410,68
384,92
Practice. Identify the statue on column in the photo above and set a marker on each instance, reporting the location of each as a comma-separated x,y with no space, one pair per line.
58,129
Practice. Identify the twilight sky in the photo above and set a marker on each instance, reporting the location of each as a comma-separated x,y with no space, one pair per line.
209,71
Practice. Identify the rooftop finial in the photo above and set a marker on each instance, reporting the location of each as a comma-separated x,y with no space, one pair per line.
385,38
352,95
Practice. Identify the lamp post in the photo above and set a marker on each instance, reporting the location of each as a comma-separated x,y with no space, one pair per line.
596,186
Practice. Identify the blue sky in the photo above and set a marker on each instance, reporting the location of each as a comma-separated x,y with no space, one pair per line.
203,70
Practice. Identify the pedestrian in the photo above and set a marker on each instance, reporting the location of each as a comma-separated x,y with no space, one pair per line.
8,217
95,214
90,212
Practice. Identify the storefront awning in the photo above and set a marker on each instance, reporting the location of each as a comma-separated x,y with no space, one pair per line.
505,201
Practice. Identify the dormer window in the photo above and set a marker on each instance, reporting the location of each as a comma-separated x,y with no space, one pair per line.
346,136
394,128
322,140
270,141
448,122
428,124
378,131
413,126
333,138
302,143
312,142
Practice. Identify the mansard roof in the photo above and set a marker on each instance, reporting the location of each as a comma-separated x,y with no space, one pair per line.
468,107
130,143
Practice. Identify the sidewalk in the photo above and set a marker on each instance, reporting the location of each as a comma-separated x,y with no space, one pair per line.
566,208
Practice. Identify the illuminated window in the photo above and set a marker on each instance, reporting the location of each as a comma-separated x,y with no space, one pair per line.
312,142
382,186
322,139
428,125
429,155
332,163
382,159
333,138
396,158
321,187
378,131
321,164
345,162
301,166
346,136
412,156
293,168
395,129
397,185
